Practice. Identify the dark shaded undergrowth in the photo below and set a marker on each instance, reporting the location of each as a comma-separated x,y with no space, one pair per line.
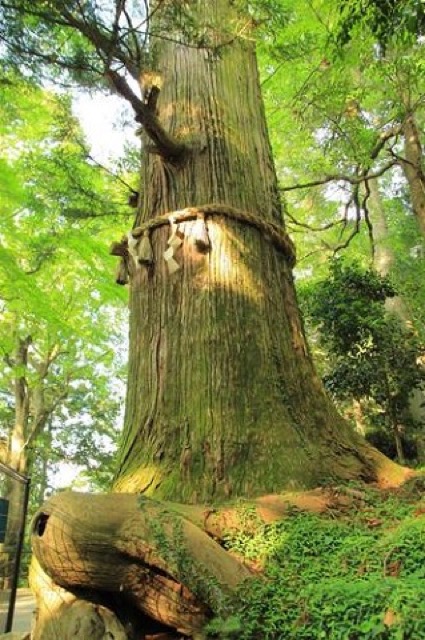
346,575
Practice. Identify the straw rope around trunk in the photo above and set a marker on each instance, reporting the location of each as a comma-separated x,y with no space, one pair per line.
279,238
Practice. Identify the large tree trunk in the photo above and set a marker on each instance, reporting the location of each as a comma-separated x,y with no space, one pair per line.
222,396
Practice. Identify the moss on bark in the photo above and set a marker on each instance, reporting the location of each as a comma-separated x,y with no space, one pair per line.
222,399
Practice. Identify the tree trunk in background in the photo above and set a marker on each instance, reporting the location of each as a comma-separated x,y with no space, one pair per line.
414,169
358,417
222,396
399,445
384,256
383,262
17,457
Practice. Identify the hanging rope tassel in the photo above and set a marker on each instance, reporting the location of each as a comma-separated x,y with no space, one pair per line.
133,248
144,250
200,235
121,276
174,242
172,264
176,237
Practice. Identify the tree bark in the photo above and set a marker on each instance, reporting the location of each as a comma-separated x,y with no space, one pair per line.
32,411
384,256
413,168
17,458
222,397
399,444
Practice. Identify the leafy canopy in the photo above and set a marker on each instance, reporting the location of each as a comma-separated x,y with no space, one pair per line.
57,292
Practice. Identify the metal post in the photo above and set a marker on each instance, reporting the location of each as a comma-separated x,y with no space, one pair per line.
15,578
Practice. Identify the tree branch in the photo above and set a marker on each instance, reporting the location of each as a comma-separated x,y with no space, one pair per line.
367,217
103,43
325,227
132,34
392,132
110,50
88,156
341,178
49,58
43,414
167,146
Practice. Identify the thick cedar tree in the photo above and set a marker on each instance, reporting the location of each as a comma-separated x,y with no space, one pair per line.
223,400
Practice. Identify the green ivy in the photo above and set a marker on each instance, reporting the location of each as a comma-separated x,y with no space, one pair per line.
355,576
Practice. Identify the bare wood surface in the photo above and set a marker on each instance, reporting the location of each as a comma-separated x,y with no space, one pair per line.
61,615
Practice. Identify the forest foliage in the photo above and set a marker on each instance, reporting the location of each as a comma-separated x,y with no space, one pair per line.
374,358
57,293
